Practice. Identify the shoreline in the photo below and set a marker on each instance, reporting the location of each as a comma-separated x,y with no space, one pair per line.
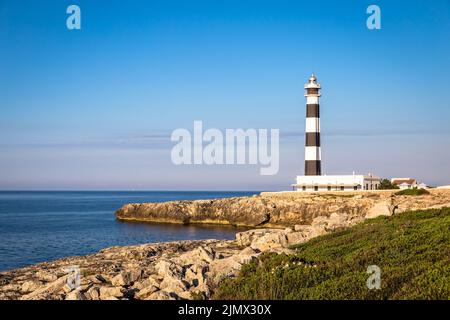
192,269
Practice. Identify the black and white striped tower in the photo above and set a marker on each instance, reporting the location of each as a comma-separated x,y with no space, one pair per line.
312,143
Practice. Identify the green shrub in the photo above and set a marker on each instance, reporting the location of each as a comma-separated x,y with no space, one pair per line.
385,184
412,192
412,249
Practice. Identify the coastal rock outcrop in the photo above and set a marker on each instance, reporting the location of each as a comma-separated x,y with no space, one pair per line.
282,209
240,211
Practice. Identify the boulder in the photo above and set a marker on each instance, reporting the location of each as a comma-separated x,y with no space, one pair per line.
75,295
93,293
106,292
246,238
126,278
46,276
172,284
12,287
384,208
224,268
249,251
145,292
66,288
185,295
270,240
43,291
297,237
200,254
168,268
161,295
30,286
95,279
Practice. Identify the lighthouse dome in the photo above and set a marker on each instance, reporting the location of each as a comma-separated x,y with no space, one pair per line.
312,82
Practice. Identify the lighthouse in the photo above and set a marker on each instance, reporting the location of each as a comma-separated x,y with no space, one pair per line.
313,180
312,131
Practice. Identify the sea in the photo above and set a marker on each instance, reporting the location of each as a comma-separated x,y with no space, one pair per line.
38,226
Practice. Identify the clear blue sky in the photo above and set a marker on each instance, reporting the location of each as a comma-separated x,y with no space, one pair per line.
94,108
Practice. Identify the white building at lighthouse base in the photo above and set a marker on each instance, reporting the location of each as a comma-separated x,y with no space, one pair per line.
336,183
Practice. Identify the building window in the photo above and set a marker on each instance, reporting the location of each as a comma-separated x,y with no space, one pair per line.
316,188
367,186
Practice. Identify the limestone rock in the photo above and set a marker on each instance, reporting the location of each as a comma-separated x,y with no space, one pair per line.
75,295
227,267
168,268
150,281
110,298
282,209
106,292
66,288
384,208
161,295
246,238
296,238
126,278
95,279
46,276
43,291
270,240
248,211
200,254
93,293
173,284
12,287
184,295
29,286
145,292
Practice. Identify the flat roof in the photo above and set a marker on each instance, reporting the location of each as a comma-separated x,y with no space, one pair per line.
326,184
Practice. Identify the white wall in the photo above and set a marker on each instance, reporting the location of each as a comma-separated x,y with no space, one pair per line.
335,182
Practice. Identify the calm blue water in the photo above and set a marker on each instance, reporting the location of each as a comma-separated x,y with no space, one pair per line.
42,226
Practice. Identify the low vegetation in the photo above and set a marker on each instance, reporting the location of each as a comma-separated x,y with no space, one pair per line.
412,192
412,250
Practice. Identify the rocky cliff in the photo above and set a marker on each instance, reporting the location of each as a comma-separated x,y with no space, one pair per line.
284,209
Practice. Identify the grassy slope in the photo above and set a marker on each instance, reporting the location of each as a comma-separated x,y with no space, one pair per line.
412,250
